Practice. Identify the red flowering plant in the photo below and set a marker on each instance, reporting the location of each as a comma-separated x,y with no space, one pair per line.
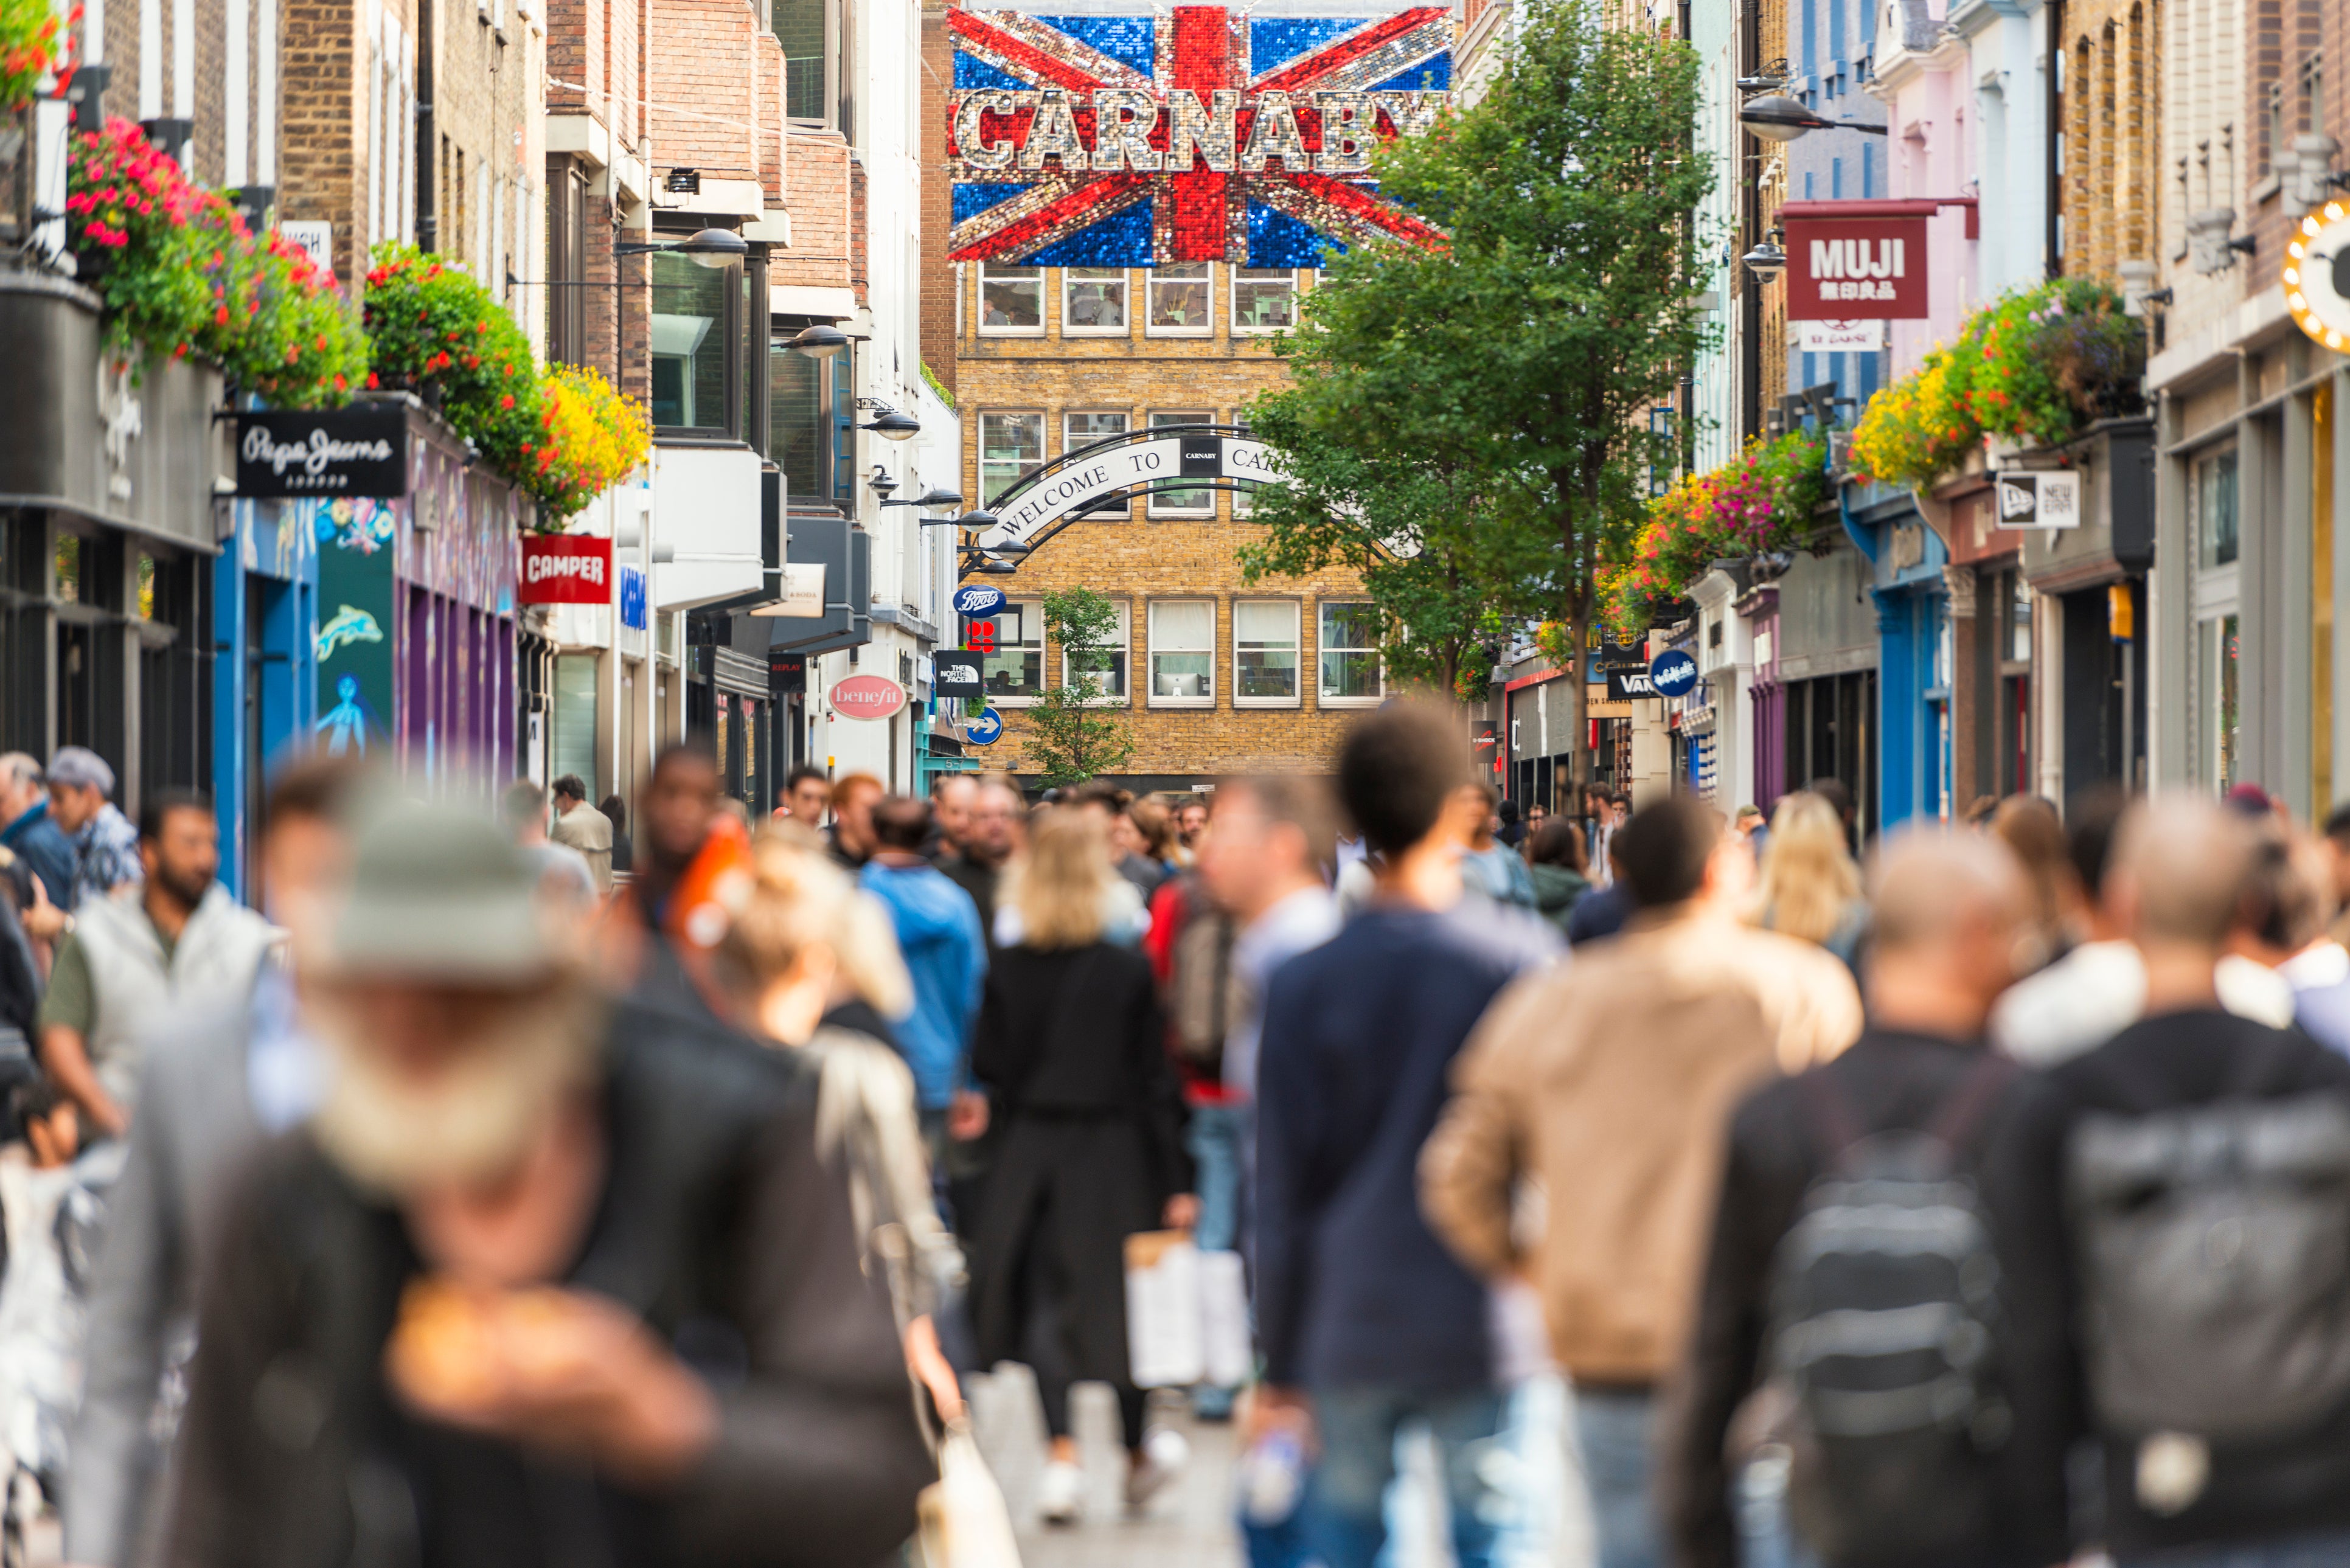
1759,502
2052,359
33,41
302,347
435,331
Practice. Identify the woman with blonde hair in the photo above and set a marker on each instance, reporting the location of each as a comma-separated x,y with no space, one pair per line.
1072,1048
805,948
1811,886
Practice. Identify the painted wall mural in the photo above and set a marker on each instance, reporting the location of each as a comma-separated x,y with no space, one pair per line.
1196,133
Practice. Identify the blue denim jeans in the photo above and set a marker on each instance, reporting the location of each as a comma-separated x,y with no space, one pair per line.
1214,1139
1616,1431
1345,1520
2328,1551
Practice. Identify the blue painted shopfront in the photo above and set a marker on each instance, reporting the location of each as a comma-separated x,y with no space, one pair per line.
1907,558
265,594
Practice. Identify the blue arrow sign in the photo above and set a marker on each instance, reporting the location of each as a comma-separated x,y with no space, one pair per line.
983,729
978,599
1673,673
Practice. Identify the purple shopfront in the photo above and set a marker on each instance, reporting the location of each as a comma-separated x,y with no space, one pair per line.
416,600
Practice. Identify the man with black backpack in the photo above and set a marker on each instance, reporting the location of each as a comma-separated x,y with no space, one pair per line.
1853,1275
2180,1272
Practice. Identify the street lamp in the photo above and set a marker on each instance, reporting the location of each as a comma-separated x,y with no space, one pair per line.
890,424
1775,116
1767,261
716,249
977,522
932,498
820,341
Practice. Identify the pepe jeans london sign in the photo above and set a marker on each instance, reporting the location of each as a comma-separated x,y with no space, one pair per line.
360,451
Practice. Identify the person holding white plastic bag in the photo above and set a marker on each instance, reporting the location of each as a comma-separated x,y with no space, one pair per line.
1072,1050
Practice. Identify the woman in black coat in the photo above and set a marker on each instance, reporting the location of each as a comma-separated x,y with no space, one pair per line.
1071,1049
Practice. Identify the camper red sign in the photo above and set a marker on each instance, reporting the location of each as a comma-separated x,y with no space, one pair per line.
1856,266
866,696
565,570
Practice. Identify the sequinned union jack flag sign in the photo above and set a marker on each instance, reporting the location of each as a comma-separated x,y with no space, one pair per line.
1189,134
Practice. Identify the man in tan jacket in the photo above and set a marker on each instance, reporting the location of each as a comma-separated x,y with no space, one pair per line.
1607,1084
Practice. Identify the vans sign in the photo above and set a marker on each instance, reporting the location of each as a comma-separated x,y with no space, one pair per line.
1862,263
565,570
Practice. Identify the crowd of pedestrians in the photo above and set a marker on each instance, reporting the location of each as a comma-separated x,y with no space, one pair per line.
534,1180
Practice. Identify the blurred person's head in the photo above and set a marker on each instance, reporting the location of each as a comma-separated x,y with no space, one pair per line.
1268,838
52,1123
1952,929
1750,818
1190,821
179,849
1507,810
1154,829
2335,847
570,793
1475,802
1678,853
991,828
802,936
2287,898
950,798
852,813
1536,814
806,793
678,800
2035,834
21,785
1985,807
2092,822
616,812
1557,842
1838,795
81,784
1061,884
901,826
2180,868
1399,772
524,809
453,1013
305,847
1808,880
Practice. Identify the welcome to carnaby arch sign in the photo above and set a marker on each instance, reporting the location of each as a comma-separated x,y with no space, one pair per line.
1133,137
1140,463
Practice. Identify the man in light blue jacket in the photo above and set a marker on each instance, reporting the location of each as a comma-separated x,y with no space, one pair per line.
946,955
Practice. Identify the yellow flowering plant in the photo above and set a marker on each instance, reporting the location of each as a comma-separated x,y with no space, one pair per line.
592,437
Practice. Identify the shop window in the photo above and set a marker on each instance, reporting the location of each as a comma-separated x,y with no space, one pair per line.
1109,683
1084,429
1011,447
1092,300
1183,653
1015,671
696,318
2216,507
1350,654
2221,713
69,553
1264,653
1192,501
574,747
1179,299
1264,299
804,29
798,416
1012,300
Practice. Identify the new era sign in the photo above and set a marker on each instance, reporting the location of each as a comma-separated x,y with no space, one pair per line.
2039,500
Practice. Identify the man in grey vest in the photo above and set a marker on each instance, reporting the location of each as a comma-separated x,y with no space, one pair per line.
127,963
220,1079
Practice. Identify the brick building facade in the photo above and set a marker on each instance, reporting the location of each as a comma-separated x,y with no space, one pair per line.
1218,676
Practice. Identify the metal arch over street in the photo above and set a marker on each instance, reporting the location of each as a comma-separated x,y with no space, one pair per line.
1112,471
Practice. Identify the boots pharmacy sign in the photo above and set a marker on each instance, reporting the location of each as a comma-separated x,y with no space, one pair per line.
1848,266
1193,134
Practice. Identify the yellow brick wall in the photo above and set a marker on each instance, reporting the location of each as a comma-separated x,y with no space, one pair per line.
1139,558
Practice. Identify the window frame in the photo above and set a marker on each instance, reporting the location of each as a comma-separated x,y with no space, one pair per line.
1033,610
1124,696
1151,283
832,74
1123,511
1323,647
1070,278
733,351
1151,652
1297,607
1159,506
1295,293
1043,283
979,453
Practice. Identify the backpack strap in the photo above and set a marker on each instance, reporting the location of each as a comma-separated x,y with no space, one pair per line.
1961,1115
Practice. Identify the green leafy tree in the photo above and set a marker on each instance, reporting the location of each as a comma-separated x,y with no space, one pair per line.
1073,734
1442,579
1524,356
